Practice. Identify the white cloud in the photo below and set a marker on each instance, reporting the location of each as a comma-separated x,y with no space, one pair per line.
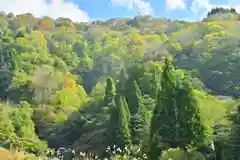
207,6
144,7
204,6
175,4
39,8
200,4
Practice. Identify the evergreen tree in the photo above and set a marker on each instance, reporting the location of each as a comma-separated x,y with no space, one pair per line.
7,65
108,102
234,139
139,128
154,85
190,129
163,126
125,104
111,130
139,119
119,124
109,92
123,135
134,98
176,120
82,50
122,79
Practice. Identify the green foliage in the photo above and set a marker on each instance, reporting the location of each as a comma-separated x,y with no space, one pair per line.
109,92
54,74
154,84
119,124
24,127
20,33
44,117
177,153
139,116
7,127
163,122
17,130
176,120
98,92
134,97
191,129
221,10
121,84
234,135
123,136
173,154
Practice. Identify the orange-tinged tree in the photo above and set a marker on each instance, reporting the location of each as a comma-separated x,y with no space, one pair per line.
46,24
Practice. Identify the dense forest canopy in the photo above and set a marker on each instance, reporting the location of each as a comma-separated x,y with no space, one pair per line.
152,88
221,10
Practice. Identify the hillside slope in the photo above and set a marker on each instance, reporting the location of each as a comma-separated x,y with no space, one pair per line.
55,72
100,48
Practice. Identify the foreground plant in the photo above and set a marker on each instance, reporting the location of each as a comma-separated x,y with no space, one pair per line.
115,153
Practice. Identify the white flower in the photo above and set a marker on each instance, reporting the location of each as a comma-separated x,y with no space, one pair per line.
82,154
118,149
144,156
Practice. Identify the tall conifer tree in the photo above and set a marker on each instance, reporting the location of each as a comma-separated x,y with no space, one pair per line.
109,92
234,139
162,129
135,103
110,106
111,130
139,117
176,120
122,79
120,136
154,84
191,129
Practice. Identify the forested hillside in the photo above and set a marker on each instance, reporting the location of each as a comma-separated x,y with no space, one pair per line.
122,88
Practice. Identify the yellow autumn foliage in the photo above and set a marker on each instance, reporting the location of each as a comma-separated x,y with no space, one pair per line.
7,155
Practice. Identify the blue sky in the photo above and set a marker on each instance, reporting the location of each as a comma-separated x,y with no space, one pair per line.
88,10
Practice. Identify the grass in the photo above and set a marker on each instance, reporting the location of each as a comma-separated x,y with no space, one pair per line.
214,110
